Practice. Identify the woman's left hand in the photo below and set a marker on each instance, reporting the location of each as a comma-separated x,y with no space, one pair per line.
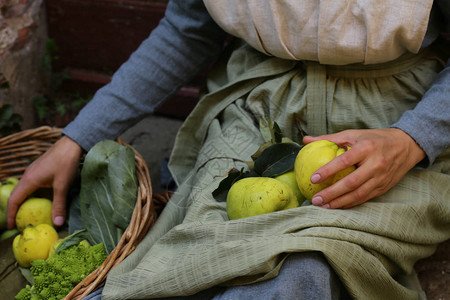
382,158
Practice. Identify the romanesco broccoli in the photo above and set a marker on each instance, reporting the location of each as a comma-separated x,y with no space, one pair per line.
56,276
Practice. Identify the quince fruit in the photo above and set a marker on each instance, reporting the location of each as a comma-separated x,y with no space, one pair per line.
34,211
54,246
310,158
34,243
6,188
253,196
290,179
3,224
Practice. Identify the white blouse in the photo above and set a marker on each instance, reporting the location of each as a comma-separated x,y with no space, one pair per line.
334,32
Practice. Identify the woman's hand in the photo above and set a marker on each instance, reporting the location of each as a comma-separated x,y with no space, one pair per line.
56,168
382,157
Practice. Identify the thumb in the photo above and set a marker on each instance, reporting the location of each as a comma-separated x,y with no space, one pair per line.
59,207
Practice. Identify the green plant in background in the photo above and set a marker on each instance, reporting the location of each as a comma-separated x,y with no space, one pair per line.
4,85
45,104
9,120
80,101
54,101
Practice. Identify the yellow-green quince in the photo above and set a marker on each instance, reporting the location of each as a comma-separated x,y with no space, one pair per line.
6,187
290,179
34,243
254,196
34,211
310,158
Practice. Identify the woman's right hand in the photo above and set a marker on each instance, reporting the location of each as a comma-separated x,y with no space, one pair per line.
56,169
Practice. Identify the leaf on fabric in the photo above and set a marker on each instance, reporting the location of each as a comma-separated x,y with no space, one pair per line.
108,192
276,159
277,134
261,149
265,127
271,133
221,192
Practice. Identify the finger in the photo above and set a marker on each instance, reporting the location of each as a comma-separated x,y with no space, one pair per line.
355,197
59,206
347,159
22,190
340,138
349,183
309,139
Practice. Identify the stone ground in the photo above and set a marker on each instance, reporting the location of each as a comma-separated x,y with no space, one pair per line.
153,138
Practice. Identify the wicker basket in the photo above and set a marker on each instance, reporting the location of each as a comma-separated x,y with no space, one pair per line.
19,149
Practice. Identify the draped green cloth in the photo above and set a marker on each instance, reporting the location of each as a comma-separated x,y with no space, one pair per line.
372,247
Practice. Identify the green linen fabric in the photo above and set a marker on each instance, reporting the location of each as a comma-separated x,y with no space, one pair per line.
372,247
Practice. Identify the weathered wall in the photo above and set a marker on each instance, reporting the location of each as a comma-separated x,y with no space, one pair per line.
23,34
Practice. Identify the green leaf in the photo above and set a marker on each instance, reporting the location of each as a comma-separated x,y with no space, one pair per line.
4,85
26,273
108,192
61,109
221,192
270,131
80,101
261,149
265,127
40,104
6,112
277,134
300,133
73,239
276,159
9,121
16,119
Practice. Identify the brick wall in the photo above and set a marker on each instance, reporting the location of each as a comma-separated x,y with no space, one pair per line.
96,36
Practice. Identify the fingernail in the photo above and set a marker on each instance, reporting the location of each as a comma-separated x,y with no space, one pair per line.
58,221
317,200
326,206
315,178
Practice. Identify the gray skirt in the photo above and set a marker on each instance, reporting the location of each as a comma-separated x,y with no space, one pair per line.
372,247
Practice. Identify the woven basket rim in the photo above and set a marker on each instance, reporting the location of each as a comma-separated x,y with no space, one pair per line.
19,149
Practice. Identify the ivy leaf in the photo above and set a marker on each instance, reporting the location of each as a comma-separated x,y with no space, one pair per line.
221,192
277,159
